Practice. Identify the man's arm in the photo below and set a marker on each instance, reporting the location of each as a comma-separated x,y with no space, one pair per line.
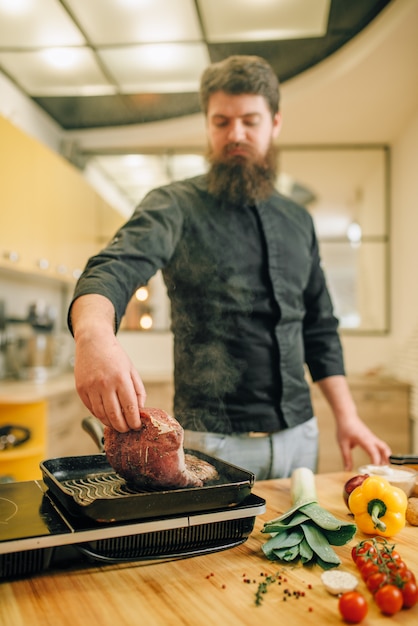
105,377
351,430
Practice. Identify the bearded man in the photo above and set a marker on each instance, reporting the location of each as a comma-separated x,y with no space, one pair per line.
249,301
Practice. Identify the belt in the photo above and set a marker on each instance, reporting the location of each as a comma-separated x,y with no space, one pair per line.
254,434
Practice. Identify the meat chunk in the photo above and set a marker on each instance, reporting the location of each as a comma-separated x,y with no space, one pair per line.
153,457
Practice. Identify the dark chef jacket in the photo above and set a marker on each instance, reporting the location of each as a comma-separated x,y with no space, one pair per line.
240,349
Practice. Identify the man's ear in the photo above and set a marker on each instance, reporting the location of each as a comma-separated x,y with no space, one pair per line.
277,124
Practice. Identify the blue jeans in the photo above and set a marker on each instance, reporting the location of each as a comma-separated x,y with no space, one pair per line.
270,456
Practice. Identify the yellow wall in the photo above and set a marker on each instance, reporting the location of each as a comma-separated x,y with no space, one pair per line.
48,210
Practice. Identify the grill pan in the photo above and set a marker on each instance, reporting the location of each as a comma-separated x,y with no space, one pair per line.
89,486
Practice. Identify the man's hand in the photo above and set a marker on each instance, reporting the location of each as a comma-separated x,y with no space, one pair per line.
351,430
354,432
105,377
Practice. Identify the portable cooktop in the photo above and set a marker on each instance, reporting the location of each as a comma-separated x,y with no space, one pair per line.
37,533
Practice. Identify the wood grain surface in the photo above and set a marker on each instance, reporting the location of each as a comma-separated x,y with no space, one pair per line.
217,589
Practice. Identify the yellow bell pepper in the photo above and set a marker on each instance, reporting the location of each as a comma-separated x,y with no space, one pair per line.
378,507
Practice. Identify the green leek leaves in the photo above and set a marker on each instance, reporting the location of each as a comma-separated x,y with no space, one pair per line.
307,531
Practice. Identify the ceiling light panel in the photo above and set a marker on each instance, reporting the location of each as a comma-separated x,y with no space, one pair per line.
157,68
139,169
264,20
36,24
63,71
115,22
185,165
134,174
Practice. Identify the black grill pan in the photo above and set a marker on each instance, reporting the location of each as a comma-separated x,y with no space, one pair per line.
88,486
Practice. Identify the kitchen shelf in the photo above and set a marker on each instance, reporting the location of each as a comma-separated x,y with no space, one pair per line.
12,270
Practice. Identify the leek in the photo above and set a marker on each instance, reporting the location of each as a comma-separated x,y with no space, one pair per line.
306,531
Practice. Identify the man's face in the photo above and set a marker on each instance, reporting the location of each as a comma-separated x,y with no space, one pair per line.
240,127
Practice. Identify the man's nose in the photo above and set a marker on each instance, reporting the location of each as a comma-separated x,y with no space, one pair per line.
236,131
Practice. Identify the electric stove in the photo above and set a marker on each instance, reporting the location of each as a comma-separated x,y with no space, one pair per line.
38,534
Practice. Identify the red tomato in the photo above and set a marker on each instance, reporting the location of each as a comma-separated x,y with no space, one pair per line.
353,607
397,567
393,555
400,576
361,561
389,599
367,569
408,575
376,580
409,594
363,550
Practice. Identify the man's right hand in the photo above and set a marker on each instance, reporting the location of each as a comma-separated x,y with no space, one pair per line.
105,378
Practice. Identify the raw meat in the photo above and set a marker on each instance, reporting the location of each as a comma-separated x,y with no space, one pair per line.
153,457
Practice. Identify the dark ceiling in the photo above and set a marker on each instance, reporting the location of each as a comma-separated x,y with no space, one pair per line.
288,57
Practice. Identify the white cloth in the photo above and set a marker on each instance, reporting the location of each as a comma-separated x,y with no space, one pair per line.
271,456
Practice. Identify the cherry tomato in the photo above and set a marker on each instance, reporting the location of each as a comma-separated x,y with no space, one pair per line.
367,569
389,599
409,594
361,561
375,581
353,607
364,551
397,567
393,555
408,575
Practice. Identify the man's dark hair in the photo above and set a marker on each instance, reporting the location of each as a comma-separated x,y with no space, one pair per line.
241,74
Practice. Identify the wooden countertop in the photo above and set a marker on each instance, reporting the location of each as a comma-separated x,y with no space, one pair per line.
206,590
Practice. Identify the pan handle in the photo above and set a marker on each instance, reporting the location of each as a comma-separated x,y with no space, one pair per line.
94,428
404,459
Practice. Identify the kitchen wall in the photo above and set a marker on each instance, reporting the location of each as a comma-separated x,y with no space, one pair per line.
403,362
405,232
24,114
364,353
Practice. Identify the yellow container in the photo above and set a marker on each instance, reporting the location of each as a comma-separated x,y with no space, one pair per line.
22,462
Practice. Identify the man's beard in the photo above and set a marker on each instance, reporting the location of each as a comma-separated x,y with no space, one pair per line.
237,180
